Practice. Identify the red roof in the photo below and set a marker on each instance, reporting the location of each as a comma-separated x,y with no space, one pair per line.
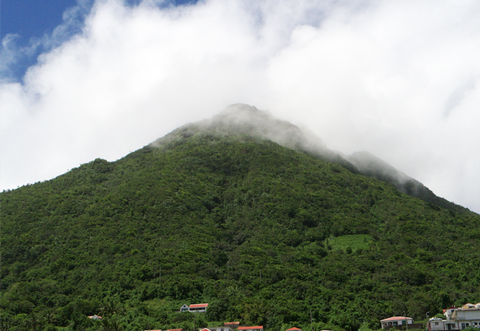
205,329
199,305
231,323
294,329
250,328
396,318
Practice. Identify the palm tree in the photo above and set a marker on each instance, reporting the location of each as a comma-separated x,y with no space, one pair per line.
110,325
109,308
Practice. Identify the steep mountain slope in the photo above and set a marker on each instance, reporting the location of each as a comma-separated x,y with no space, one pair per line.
374,167
262,232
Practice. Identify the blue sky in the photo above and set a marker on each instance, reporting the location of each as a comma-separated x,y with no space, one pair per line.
30,20
102,78
33,18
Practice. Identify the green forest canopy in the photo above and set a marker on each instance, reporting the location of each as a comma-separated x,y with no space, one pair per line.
265,234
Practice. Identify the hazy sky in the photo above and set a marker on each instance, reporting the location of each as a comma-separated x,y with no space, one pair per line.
400,79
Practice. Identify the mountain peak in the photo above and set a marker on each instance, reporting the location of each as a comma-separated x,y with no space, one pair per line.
241,119
241,111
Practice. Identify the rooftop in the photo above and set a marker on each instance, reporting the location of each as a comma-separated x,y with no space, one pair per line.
199,305
396,318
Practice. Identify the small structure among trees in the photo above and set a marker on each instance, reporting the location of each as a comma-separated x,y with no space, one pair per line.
227,326
198,308
397,322
250,328
194,308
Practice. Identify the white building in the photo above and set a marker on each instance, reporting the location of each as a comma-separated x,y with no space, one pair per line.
457,319
195,308
227,326
221,328
394,321
198,308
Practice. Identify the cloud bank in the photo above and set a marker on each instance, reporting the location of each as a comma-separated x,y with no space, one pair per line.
400,79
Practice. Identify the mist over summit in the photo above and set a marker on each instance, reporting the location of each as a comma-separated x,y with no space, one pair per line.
242,121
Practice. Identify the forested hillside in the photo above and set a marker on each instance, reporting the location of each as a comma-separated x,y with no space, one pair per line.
266,234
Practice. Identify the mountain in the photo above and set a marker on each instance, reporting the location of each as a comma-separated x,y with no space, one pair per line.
244,212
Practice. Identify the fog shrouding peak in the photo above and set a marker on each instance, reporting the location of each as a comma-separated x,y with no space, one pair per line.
372,166
241,119
262,123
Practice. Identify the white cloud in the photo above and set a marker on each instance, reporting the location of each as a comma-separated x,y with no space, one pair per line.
397,78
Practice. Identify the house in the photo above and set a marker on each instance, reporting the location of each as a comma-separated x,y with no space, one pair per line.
466,314
227,326
198,308
184,309
457,318
233,325
95,317
222,328
294,329
396,322
250,328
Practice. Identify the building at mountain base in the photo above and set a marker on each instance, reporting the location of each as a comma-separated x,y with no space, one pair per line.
457,318
397,322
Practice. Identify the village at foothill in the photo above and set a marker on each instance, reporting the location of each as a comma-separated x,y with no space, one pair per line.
456,318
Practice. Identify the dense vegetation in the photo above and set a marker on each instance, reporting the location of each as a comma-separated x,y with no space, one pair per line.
265,234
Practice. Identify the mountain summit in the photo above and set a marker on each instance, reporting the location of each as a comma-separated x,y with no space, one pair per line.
248,121
241,121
